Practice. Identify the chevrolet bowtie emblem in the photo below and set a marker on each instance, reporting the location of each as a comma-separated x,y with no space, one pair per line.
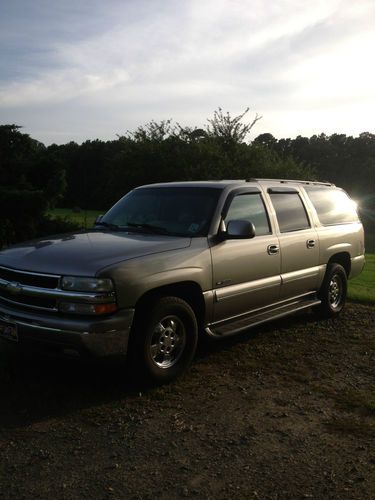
14,288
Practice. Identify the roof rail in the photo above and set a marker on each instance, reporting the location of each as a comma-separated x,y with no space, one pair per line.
285,181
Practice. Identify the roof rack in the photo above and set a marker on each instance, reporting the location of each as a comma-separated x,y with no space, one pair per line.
285,181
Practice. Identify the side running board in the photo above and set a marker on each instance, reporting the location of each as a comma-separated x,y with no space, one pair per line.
239,325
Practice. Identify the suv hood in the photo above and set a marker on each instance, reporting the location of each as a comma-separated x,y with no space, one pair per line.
84,254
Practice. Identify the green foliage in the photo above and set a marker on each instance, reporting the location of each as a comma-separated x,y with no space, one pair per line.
31,180
97,173
230,130
78,219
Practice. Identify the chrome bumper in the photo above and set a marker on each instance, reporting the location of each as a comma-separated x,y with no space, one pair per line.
95,336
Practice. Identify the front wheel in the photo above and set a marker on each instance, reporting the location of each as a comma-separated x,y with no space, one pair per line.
164,339
333,291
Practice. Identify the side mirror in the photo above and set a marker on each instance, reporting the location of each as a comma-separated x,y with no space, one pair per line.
240,229
98,219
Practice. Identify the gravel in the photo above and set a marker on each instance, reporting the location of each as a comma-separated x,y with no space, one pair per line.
284,411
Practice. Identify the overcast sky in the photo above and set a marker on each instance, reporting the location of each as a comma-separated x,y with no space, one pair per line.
86,69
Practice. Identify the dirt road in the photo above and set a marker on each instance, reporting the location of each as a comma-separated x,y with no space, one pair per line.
284,411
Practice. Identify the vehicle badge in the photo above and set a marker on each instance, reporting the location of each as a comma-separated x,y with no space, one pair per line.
14,288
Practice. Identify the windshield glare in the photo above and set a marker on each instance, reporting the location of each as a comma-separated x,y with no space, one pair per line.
182,211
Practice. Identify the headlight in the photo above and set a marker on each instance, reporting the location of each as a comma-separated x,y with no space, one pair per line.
78,284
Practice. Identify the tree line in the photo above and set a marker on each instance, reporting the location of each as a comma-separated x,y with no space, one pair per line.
94,174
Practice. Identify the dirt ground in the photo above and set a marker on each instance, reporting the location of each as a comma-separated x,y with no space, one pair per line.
284,411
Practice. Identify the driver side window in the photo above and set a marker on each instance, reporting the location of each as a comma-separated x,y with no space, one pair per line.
249,207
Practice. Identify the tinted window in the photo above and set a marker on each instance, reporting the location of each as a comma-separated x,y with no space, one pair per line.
333,206
290,212
249,207
185,211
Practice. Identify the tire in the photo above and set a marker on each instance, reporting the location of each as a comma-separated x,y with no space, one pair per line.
333,291
164,340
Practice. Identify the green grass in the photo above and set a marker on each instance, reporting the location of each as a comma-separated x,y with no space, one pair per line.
362,288
370,242
84,219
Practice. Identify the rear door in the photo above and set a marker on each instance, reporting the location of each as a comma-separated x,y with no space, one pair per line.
299,243
246,272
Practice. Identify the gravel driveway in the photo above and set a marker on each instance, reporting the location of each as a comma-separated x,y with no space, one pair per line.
283,411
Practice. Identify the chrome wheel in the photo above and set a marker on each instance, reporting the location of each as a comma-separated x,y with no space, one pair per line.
168,341
164,339
335,292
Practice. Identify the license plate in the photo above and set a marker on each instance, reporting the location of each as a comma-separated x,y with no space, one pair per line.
8,331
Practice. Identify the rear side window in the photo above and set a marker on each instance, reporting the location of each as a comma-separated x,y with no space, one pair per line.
290,212
249,207
333,206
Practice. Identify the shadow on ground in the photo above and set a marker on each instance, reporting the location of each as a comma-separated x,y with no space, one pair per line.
34,388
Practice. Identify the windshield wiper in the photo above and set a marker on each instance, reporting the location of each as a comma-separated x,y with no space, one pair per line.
149,227
114,227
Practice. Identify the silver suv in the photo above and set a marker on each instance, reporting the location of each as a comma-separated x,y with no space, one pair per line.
171,261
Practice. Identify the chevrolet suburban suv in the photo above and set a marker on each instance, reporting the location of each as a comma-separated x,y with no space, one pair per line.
172,261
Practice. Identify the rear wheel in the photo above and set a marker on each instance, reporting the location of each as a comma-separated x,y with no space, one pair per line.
333,291
164,339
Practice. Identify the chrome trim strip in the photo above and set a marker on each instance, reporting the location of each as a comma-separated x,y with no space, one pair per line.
228,292
301,274
30,273
52,293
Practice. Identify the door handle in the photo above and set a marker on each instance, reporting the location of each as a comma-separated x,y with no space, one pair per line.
310,243
273,249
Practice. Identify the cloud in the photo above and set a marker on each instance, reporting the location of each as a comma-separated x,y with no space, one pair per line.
132,61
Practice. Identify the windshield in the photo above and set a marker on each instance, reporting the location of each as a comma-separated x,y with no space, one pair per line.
176,211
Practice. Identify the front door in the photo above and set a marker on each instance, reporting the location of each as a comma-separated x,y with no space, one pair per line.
246,272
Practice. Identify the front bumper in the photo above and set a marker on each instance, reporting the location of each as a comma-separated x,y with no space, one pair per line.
72,335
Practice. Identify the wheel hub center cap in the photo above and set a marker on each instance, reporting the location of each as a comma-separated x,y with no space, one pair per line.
167,341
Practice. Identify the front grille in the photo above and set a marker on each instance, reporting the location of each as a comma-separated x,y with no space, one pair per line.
26,290
22,298
31,279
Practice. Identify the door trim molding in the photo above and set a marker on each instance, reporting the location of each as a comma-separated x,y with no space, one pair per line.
229,292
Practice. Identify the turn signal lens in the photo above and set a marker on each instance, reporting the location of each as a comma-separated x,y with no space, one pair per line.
92,309
105,308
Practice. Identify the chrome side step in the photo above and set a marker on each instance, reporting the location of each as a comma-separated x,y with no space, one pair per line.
239,325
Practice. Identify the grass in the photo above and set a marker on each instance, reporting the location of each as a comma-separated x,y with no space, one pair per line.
362,288
84,219
370,242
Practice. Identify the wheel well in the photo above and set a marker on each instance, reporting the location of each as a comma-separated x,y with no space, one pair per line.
343,259
189,291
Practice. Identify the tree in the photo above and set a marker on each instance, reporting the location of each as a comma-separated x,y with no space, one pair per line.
31,181
230,130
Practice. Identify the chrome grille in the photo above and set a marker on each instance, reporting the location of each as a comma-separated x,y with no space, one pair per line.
28,278
13,281
27,290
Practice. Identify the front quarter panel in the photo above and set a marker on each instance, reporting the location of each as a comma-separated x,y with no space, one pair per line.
134,277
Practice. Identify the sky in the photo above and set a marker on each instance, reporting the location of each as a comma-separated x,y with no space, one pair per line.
72,70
